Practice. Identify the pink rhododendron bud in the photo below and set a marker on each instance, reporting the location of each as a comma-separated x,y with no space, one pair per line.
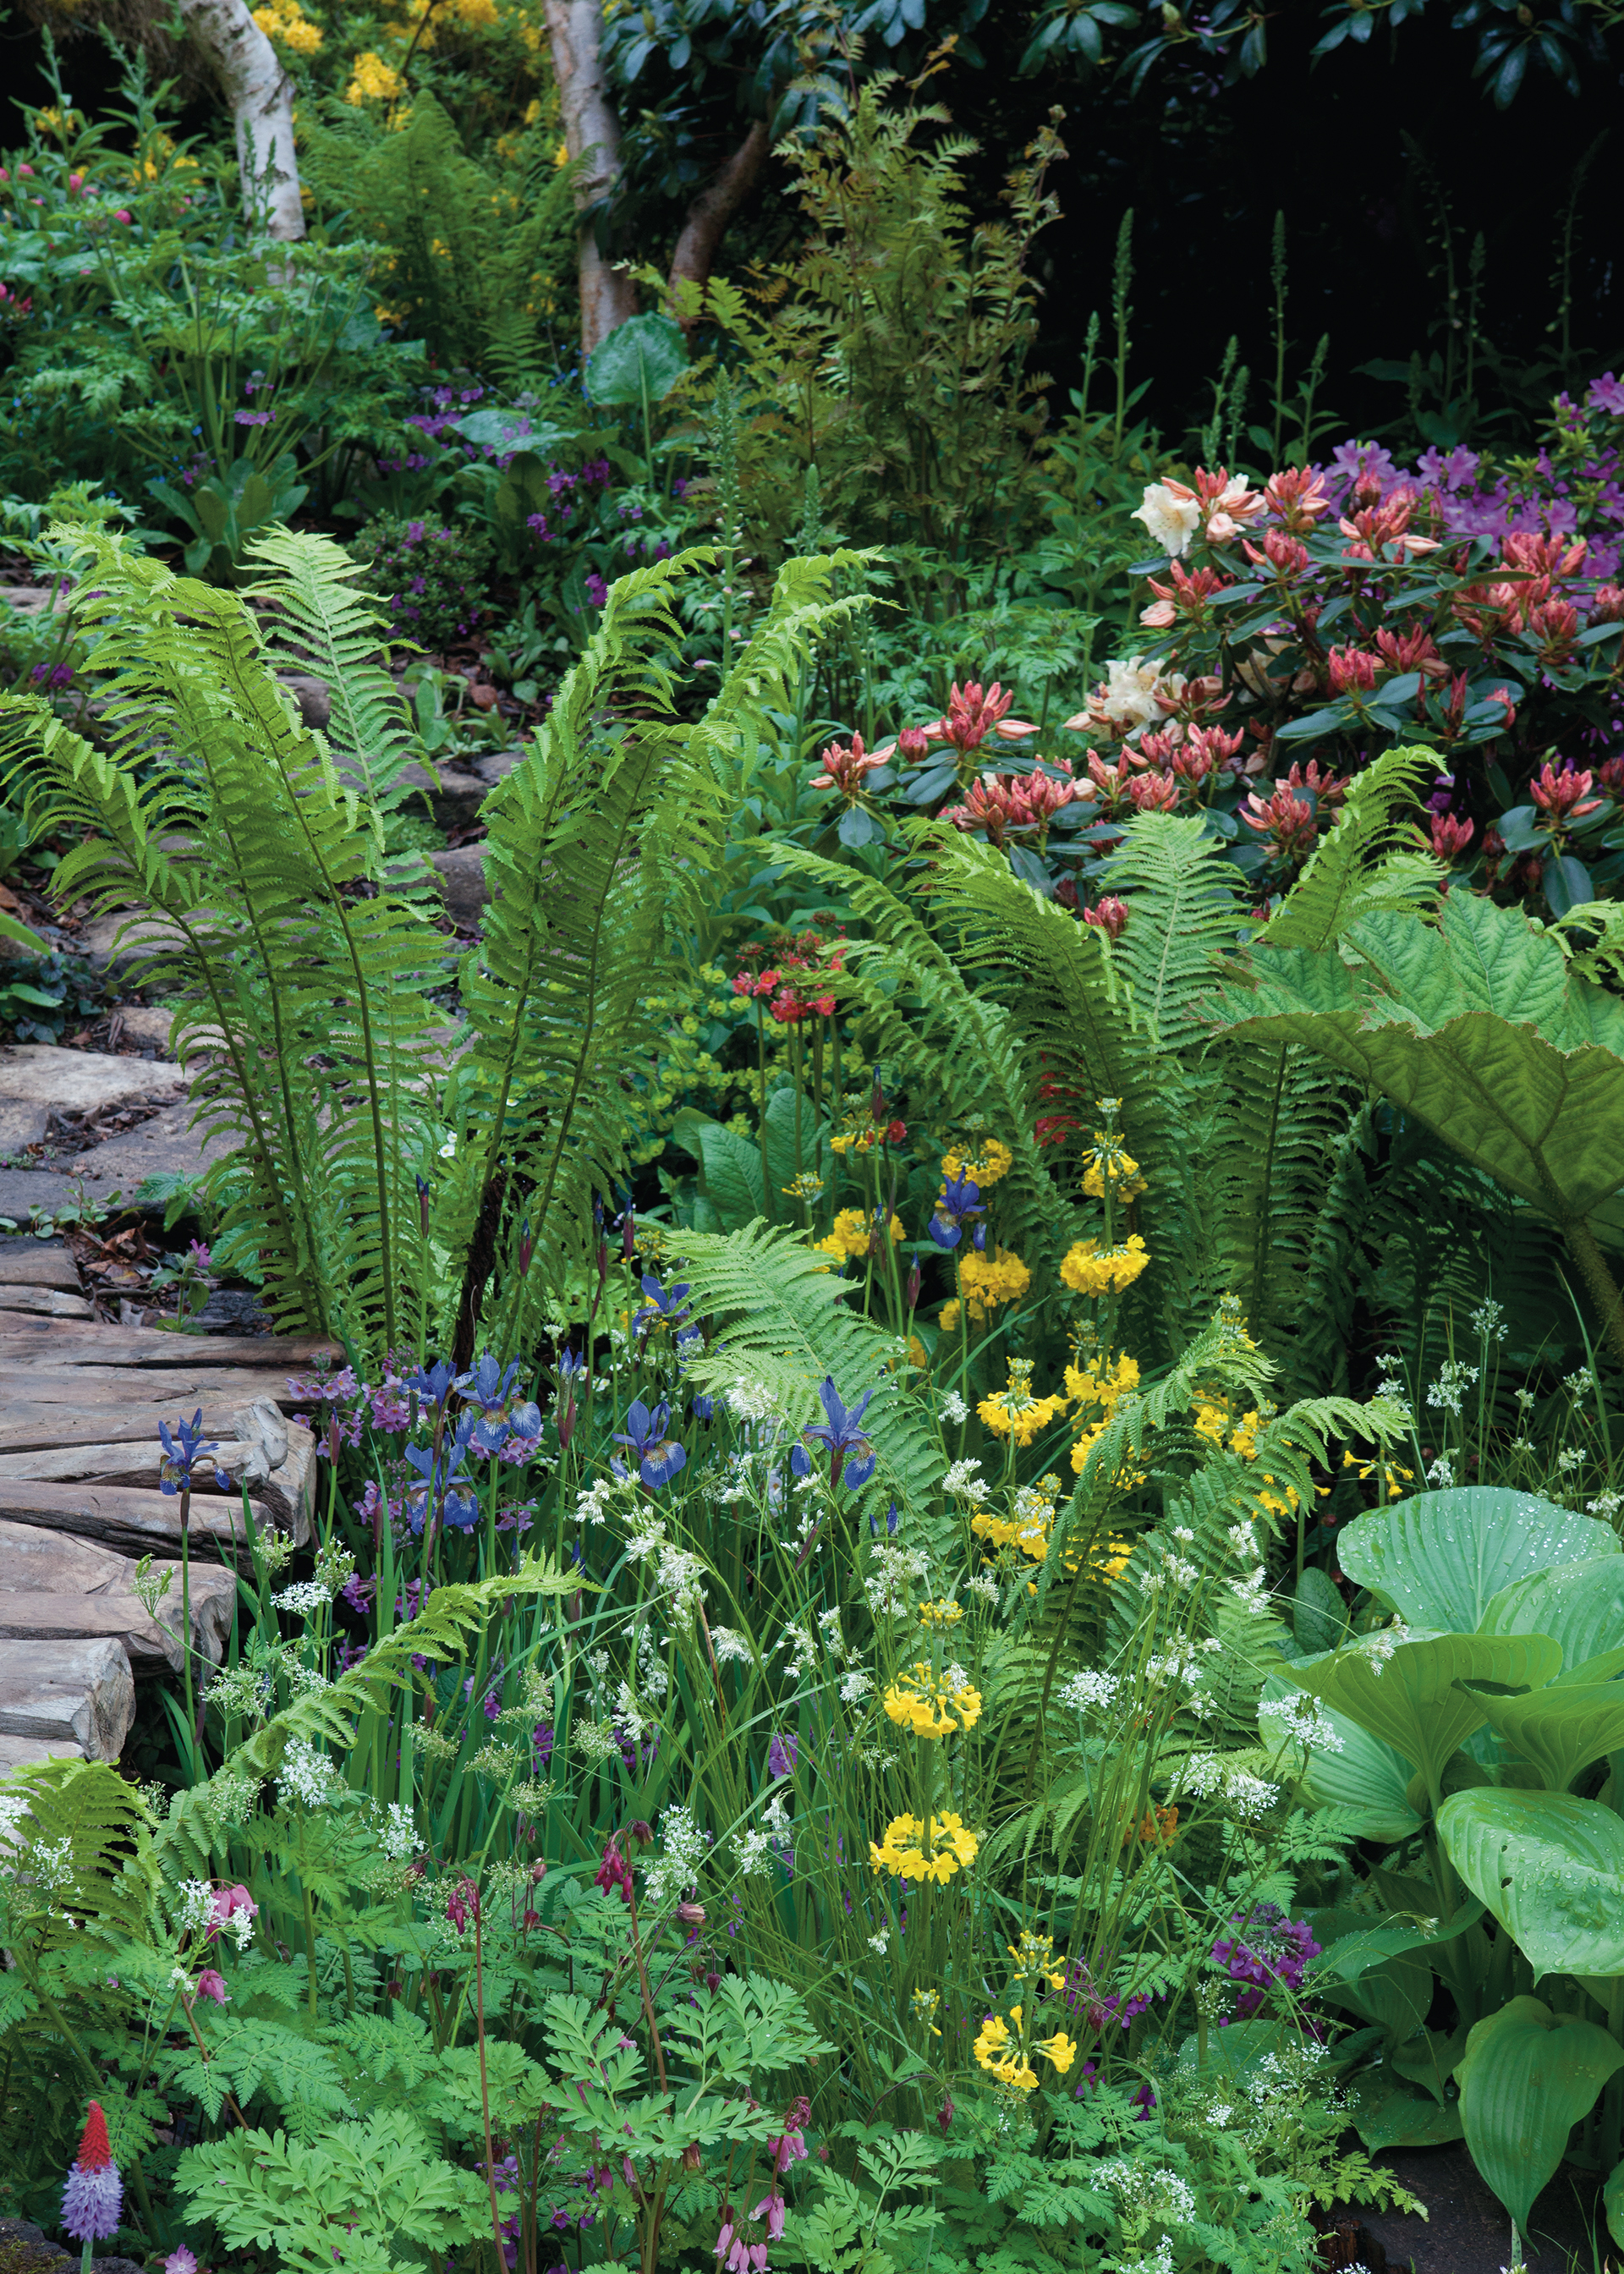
1109,915
1564,797
914,743
1351,670
1450,836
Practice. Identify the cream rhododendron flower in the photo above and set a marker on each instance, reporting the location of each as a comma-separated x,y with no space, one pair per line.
1172,514
1135,692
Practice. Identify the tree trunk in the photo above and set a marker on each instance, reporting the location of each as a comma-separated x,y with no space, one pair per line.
260,95
715,207
592,133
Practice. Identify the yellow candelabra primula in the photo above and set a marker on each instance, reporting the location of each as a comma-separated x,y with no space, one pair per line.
933,1704
931,1847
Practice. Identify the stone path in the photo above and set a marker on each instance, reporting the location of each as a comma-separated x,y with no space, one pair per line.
79,1504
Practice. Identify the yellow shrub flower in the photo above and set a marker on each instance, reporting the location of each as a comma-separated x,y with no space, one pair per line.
933,1704
1103,1382
931,1848
285,23
1091,1269
984,1161
940,1614
1029,1524
1014,1411
373,80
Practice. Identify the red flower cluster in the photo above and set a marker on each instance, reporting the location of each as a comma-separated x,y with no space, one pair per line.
796,985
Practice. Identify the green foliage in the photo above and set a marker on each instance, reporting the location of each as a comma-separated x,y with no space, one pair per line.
431,575
476,254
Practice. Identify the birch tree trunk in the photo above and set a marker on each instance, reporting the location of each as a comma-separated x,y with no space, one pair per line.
260,95
592,133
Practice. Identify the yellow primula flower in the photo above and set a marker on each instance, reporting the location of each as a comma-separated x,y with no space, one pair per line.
933,1704
932,1849
1014,1411
1060,2049
988,1280
1010,2068
984,1161
849,1236
1090,1269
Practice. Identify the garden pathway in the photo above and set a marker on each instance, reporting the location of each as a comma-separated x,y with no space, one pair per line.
79,1504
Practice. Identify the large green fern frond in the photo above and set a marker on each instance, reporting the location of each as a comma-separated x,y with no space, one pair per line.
785,1325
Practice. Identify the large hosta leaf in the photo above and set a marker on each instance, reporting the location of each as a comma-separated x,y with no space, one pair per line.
1550,1868
1410,1695
1561,1730
1441,1557
1527,2077
1581,1604
1358,1773
1474,1023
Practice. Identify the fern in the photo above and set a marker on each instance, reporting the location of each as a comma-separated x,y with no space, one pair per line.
248,843
785,1327
1368,860
599,842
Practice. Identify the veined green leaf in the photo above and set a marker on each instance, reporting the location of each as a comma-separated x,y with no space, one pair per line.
1549,1868
1527,2077
1440,1558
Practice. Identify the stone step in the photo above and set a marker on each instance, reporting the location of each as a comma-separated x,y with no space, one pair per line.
56,1588
80,1081
68,1694
106,1396
76,1342
39,1264
276,1459
44,1302
167,1145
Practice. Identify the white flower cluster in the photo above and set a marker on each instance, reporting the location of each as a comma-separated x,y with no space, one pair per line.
855,1686
197,1901
1455,1379
1154,2193
678,1572
962,1483
1488,1321
305,1598
891,1571
1207,1776
676,1868
751,1402
1301,1720
398,1834
1089,1692
754,1850
593,1505
646,1540
952,1408
593,1741
1379,1645
1252,1592
306,1773
730,1648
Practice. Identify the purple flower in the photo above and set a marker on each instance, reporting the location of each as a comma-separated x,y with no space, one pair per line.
597,590
542,1742
252,418
660,1457
1606,394
959,1202
181,1450
782,1753
843,1434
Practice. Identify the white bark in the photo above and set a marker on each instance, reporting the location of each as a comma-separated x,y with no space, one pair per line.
592,133
260,95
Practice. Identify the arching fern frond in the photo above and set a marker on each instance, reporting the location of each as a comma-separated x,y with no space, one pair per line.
784,1325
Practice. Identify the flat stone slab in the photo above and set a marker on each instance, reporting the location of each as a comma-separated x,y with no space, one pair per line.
56,1587
68,1693
44,1302
50,1191
125,942
107,1397
77,1081
461,871
22,1124
166,1145
38,1263
73,1342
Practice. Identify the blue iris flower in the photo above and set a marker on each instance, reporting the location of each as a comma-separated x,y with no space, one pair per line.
660,1457
569,1366
660,1303
960,1200
432,1383
444,1483
843,1434
490,1385
181,1450
704,1409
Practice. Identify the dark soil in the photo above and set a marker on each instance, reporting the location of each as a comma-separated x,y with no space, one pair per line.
1466,2230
